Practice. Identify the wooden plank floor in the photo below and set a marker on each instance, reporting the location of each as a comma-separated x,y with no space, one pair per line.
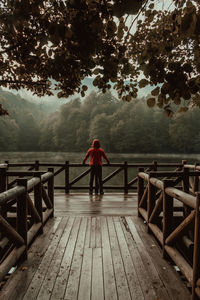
95,256
86,205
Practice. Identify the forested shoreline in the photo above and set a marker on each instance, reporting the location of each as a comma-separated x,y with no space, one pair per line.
122,127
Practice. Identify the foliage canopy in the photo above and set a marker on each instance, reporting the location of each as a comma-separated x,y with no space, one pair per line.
48,45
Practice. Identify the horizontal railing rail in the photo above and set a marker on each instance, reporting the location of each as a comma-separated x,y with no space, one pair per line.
24,209
74,183
172,214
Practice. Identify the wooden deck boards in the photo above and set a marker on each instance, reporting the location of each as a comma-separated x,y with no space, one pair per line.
95,257
106,205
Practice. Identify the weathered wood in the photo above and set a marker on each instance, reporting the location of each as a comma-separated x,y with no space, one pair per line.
179,260
10,232
125,177
43,269
38,198
157,209
67,186
120,275
32,232
11,260
107,178
79,177
19,281
108,269
143,212
156,283
181,229
33,210
143,175
32,182
37,165
97,292
46,198
59,171
167,213
3,183
22,209
139,264
176,288
64,271
196,254
157,183
185,198
3,187
143,201
186,188
151,198
157,232
75,270
131,274
50,188
86,273
140,187
46,176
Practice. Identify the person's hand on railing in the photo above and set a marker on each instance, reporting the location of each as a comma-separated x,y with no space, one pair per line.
83,162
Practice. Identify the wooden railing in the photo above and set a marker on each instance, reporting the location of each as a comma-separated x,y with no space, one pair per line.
24,210
170,204
126,184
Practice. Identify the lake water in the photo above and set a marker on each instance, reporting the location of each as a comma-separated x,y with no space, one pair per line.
61,157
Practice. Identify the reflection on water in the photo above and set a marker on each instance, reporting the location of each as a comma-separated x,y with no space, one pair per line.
61,157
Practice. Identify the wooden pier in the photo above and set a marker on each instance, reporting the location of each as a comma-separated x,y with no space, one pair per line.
69,245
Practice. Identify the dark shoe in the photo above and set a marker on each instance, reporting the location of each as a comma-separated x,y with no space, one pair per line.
101,193
90,192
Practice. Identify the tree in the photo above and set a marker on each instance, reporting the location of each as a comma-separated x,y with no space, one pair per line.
53,45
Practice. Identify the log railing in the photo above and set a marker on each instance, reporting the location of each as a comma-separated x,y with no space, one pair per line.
25,209
73,183
171,209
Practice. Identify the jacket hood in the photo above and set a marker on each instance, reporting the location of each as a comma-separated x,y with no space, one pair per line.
96,144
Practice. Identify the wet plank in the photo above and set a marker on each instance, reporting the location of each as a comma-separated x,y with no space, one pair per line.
95,257
108,269
167,274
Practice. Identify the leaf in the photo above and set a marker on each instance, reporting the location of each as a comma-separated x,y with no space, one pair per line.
84,87
156,91
96,72
151,102
182,109
143,83
60,94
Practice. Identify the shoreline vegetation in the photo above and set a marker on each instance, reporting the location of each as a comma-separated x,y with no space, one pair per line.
121,127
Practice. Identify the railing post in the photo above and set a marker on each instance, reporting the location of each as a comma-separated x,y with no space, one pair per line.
22,206
140,188
50,186
7,178
38,198
186,188
167,213
151,200
155,165
125,177
196,253
196,180
37,165
67,177
3,187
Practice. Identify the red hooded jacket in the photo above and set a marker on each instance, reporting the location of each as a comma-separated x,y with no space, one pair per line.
95,153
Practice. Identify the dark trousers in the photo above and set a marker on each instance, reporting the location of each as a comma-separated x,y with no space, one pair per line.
96,172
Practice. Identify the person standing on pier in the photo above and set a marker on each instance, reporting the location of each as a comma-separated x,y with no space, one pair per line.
96,153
